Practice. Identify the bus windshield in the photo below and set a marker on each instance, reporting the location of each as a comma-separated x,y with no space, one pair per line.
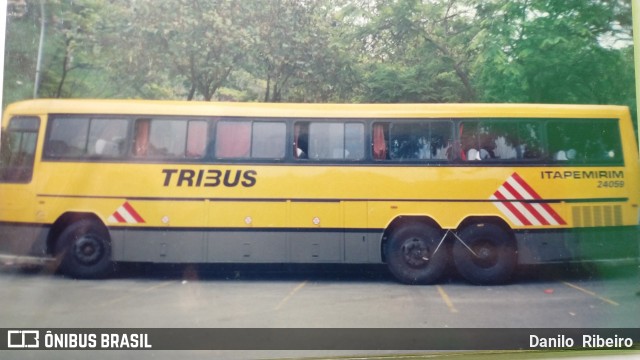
18,150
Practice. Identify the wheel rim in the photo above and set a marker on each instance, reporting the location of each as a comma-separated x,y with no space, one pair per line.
486,254
416,252
88,249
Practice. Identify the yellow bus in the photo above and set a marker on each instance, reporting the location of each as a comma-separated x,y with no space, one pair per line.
484,187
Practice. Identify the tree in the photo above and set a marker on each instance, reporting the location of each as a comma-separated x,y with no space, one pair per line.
416,50
163,44
294,51
326,50
541,51
71,42
21,48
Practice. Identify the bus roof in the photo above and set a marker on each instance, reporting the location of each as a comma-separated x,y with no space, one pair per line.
298,110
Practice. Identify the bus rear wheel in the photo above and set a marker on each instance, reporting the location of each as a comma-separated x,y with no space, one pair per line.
486,254
411,254
83,250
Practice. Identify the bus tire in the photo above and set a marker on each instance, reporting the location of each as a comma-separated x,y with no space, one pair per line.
410,254
83,250
495,255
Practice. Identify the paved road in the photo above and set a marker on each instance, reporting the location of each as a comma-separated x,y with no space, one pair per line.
316,296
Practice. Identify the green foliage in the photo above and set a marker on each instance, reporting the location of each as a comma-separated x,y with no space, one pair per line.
573,51
416,51
296,50
71,37
550,52
162,45
21,47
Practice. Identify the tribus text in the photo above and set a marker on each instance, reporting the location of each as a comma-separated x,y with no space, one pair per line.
209,178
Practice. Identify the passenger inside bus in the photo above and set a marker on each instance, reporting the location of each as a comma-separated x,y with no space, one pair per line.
301,141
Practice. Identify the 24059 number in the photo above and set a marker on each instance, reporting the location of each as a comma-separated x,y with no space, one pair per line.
611,184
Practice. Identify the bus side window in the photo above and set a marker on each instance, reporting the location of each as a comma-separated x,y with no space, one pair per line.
233,139
603,142
500,140
335,141
301,140
107,137
406,140
354,141
588,141
141,141
441,140
469,144
380,145
412,141
563,144
196,139
268,140
326,141
167,138
530,141
78,137
67,137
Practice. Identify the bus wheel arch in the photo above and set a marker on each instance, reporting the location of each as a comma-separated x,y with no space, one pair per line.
413,251
486,251
81,244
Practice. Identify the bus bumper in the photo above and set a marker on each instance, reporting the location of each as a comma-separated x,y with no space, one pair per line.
23,240
580,244
20,261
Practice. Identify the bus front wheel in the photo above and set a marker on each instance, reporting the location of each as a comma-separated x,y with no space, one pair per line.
84,250
411,254
485,254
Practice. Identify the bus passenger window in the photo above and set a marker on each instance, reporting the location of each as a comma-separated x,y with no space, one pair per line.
141,143
268,140
335,141
563,141
107,137
478,140
67,137
167,138
170,138
413,141
354,141
515,139
301,140
251,140
604,145
233,139
196,139
504,139
409,141
589,141
529,145
75,137
440,140
380,146
326,141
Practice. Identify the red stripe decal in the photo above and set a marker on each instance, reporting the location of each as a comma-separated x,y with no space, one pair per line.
533,195
548,208
119,217
526,205
133,212
554,214
526,186
523,219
